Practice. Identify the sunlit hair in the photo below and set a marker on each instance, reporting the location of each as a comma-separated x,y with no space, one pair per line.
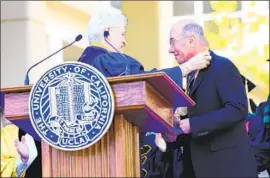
106,17
191,27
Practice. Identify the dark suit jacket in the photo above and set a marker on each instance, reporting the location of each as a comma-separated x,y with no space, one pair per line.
219,145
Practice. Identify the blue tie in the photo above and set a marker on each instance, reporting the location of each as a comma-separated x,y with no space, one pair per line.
190,80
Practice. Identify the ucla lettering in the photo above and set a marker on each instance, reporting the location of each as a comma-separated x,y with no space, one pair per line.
73,141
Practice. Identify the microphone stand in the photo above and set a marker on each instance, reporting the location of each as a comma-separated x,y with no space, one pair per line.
26,79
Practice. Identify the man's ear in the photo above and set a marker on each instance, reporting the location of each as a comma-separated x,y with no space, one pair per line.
191,41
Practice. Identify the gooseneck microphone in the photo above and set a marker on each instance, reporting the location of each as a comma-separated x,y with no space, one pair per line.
26,80
127,69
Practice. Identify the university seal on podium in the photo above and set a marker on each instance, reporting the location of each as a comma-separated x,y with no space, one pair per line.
71,106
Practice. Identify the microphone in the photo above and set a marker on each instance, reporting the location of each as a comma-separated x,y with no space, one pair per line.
127,69
26,80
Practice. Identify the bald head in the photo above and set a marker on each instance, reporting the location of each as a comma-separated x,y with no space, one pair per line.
189,27
184,22
186,40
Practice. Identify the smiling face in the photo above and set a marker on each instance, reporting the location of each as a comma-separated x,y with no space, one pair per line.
117,37
182,47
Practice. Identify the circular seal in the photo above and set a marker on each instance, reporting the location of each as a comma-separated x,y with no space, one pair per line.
71,106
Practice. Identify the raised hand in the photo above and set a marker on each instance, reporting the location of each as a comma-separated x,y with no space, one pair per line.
161,144
169,136
200,61
22,149
185,126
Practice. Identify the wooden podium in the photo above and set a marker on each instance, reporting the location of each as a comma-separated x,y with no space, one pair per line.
143,103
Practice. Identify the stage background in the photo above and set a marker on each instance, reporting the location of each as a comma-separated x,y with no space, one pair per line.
31,30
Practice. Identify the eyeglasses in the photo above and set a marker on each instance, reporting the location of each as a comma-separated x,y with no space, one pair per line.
174,41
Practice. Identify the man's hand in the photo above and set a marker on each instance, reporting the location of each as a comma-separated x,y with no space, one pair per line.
200,61
176,119
185,126
169,136
22,149
161,144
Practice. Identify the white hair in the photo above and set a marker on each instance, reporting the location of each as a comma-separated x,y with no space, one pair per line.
106,17
191,27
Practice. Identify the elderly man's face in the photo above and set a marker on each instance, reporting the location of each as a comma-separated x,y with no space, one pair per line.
182,47
117,37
